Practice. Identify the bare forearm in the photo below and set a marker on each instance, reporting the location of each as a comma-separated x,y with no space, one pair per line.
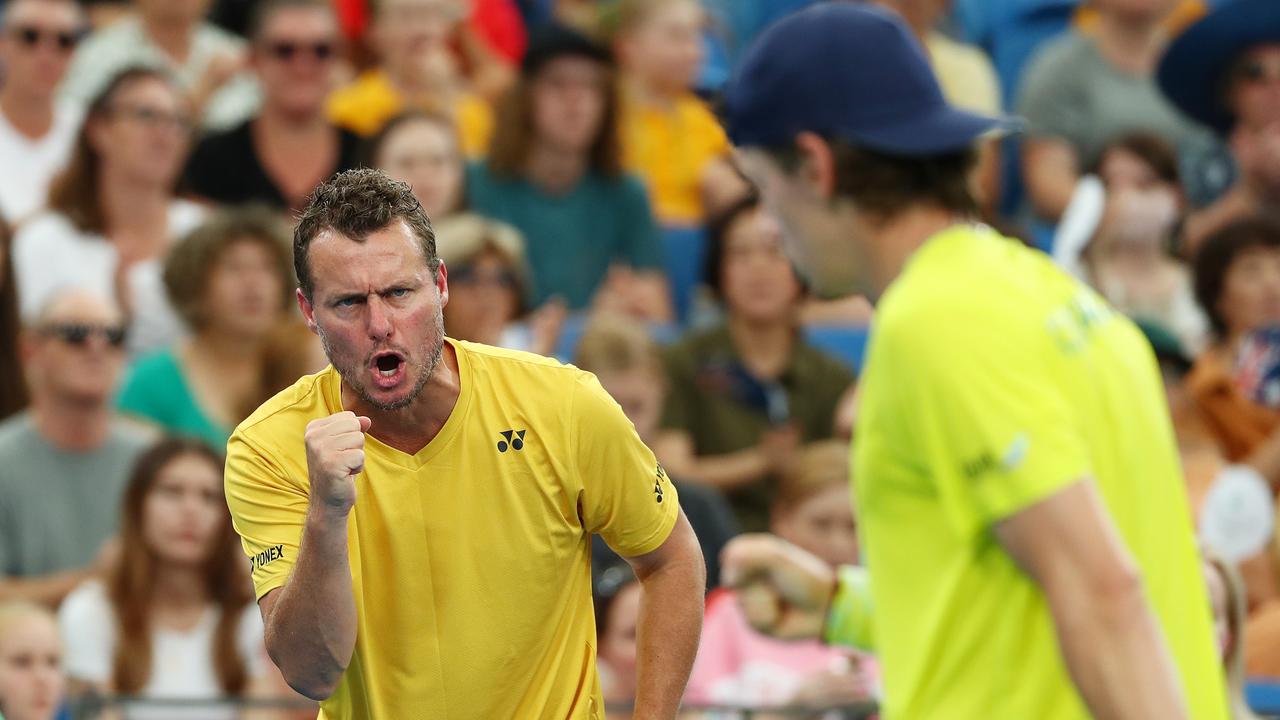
667,635
45,590
311,632
1118,657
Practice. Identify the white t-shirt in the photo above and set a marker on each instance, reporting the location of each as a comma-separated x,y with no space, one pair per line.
181,662
50,255
27,166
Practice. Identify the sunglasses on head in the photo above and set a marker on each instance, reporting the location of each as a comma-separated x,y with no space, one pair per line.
286,51
32,36
78,334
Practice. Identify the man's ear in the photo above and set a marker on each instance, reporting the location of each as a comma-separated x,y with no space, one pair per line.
308,311
817,164
442,283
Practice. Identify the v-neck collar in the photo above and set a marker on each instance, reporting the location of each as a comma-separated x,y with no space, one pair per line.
447,432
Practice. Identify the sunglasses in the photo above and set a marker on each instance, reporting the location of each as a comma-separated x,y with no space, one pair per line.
78,334
30,37
286,51
472,275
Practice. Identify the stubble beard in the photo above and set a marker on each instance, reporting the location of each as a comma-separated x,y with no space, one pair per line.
352,375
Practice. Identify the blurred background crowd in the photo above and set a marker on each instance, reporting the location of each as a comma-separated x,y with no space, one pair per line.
587,206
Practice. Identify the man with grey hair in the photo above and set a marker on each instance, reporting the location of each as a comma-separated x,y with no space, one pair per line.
36,133
65,461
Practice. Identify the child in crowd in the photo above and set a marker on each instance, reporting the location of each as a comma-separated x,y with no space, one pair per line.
738,666
31,681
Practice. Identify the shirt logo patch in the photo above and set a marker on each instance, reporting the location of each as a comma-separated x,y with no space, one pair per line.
513,439
266,557
657,483
1017,453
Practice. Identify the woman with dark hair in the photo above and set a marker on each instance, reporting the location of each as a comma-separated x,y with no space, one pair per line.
112,212
747,394
231,281
13,387
554,172
1237,283
175,617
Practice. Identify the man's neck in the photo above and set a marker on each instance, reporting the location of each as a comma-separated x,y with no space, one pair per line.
174,39
555,171
893,240
765,347
276,125
72,426
1132,44
31,114
410,429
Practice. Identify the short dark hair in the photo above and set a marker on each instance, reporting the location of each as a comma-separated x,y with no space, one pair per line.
718,227
1219,251
1151,149
357,203
885,184
264,11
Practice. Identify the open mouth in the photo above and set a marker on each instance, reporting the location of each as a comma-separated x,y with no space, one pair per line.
387,368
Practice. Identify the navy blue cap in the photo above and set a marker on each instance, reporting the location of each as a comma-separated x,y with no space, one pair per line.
851,71
1193,71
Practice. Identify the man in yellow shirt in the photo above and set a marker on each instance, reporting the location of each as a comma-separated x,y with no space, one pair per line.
1021,507
418,516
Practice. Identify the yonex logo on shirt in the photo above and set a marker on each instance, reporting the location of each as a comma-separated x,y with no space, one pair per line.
269,555
513,439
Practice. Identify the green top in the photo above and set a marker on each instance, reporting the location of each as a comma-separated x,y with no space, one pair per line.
723,409
156,390
572,238
994,381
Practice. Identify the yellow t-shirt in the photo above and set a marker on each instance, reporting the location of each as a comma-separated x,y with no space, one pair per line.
470,559
365,105
993,381
668,148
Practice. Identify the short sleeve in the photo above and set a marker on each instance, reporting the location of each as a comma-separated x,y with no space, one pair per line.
268,511
626,496
640,244
87,627
250,642
1050,97
989,419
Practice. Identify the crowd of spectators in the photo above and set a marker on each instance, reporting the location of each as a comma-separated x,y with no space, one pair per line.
587,206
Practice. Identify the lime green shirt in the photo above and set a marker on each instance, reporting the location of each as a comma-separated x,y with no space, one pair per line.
993,381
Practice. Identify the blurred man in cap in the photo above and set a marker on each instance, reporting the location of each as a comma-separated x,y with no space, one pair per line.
1022,512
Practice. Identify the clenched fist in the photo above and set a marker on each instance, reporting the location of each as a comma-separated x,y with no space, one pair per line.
335,455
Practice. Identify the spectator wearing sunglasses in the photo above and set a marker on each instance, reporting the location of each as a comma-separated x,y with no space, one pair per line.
112,211
231,280
64,461
281,154
36,133
206,61
1224,72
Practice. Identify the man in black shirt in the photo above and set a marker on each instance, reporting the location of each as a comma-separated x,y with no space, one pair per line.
280,155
